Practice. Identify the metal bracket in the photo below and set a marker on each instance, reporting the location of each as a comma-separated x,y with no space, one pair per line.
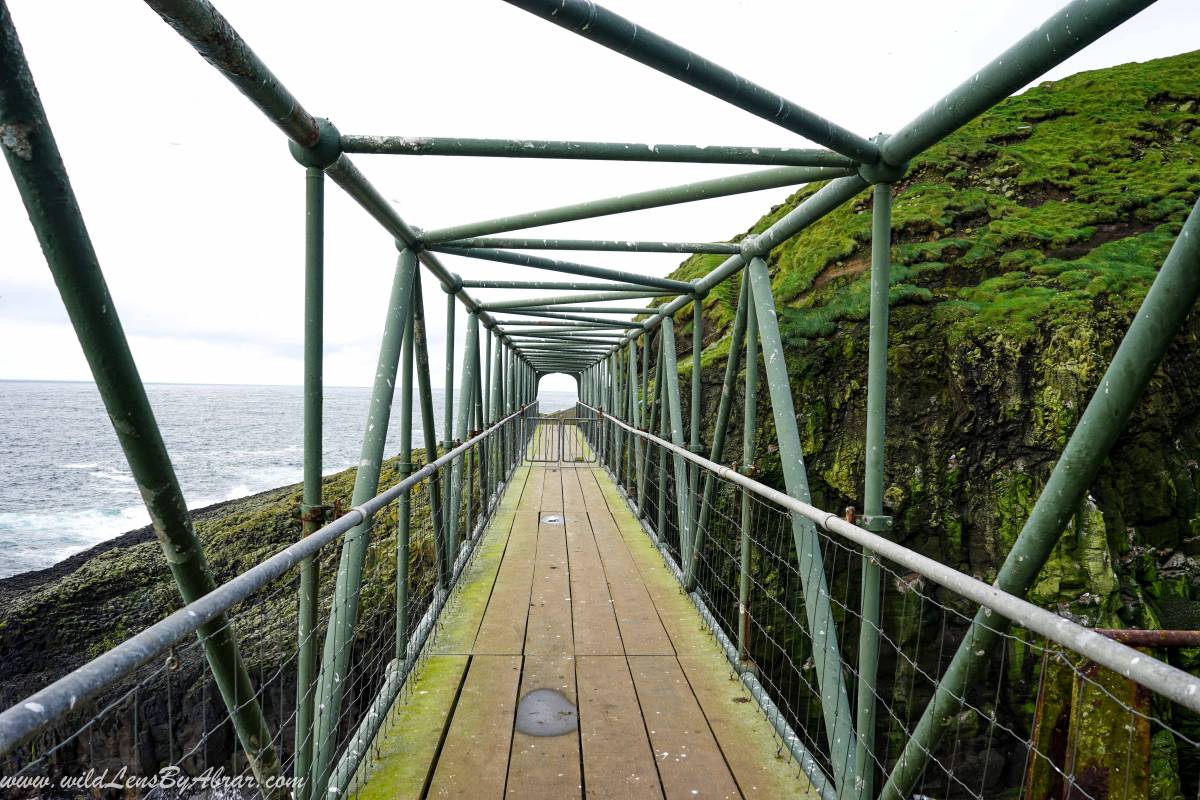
322,515
875,524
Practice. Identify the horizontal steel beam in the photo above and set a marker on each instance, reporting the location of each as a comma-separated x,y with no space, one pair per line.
603,27
599,245
586,309
571,299
607,323
592,151
570,285
639,201
570,267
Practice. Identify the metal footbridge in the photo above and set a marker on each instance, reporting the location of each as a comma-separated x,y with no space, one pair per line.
612,603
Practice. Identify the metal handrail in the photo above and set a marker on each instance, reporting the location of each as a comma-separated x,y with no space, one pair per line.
26,718
1158,676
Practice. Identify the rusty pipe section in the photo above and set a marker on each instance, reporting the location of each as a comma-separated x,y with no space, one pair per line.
1135,637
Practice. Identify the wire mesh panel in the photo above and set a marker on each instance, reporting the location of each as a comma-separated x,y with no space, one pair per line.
574,441
544,435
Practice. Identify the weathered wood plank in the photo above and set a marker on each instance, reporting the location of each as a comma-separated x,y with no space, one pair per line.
595,623
403,754
460,625
746,738
549,631
546,766
502,631
617,759
552,498
474,758
689,761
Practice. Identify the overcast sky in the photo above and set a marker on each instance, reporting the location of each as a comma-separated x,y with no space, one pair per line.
197,209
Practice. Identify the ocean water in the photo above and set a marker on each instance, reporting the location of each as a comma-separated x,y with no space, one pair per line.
65,486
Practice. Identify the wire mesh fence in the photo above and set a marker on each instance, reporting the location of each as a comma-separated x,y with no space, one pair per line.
164,729
1041,722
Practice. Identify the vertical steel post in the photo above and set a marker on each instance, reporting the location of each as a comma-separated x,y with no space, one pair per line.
311,512
497,413
429,432
448,412
45,188
835,704
728,386
343,618
694,422
476,480
462,428
749,446
1162,314
647,420
488,419
404,504
664,427
868,634
635,419
670,378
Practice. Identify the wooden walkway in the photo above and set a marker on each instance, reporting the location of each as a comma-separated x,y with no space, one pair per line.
568,594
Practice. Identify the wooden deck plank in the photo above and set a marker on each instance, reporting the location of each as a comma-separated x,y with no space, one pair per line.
552,497
474,758
549,630
460,625
618,762
642,632
404,752
689,761
502,631
573,499
675,611
595,622
747,740
546,766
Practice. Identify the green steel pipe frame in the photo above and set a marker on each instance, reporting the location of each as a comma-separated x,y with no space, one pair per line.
45,188
606,365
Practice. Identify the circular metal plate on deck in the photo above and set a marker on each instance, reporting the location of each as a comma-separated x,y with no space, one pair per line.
552,519
546,712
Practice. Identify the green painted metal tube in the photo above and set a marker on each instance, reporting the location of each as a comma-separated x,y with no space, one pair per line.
595,151
603,27
660,517
404,504
639,201
814,208
869,609
429,431
607,323
1162,314
543,285
462,428
479,423
646,416
598,245
622,310
635,419
569,267
45,188
749,446
448,508
1063,35
311,516
671,391
694,423
728,385
339,635
589,297
213,37
835,704
486,396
